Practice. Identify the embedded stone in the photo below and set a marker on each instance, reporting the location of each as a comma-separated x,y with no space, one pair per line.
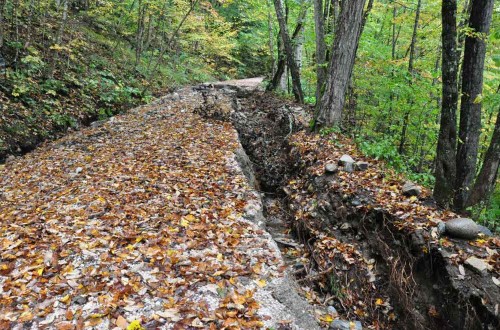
331,168
349,167
346,159
464,228
411,189
345,325
361,166
476,264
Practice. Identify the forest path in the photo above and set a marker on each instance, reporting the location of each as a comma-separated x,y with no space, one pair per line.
145,218
251,83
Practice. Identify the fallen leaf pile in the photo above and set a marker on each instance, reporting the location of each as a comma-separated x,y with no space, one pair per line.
135,223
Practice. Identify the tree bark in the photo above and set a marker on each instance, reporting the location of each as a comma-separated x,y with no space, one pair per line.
446,148
486,180
341,63
294,70
319,28
470,109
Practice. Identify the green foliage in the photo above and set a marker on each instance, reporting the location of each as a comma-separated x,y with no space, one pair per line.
489,214
385,149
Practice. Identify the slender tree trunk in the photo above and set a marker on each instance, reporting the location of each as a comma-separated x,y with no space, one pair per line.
470,109
319,28
294,70
2,5
447,141
59,37
139,37
169,41
282,67
486,180
341,63
271,37
411,70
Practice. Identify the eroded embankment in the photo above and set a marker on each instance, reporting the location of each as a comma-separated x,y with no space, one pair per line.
370,252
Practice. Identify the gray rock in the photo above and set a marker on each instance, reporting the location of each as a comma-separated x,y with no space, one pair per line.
476,264
331,168
331,310
80,300
485,231
441,228
462,228
361,166
349,167
345,325
346,159
411,189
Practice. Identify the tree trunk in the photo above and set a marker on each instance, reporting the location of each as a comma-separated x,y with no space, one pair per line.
485,182
271,38
447,141
281,67
470,109
294,70
2,5
411,62
341,63
319,28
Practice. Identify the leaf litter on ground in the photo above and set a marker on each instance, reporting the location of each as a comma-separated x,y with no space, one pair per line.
137,221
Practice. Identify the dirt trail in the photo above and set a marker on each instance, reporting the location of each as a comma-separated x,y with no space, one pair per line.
147,218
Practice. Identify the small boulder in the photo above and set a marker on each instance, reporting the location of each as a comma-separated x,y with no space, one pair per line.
476,264
411,189
349,167
462,228
346,159
361,166
345,325
331,168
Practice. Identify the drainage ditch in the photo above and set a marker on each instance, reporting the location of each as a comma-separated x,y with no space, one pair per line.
392,284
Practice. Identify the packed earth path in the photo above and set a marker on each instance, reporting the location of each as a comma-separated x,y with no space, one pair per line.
143,220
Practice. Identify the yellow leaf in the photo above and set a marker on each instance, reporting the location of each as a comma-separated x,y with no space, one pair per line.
379,302
65,299
40,272
135,325
184,223
326,318
220,257
261,283
190,217
97,316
